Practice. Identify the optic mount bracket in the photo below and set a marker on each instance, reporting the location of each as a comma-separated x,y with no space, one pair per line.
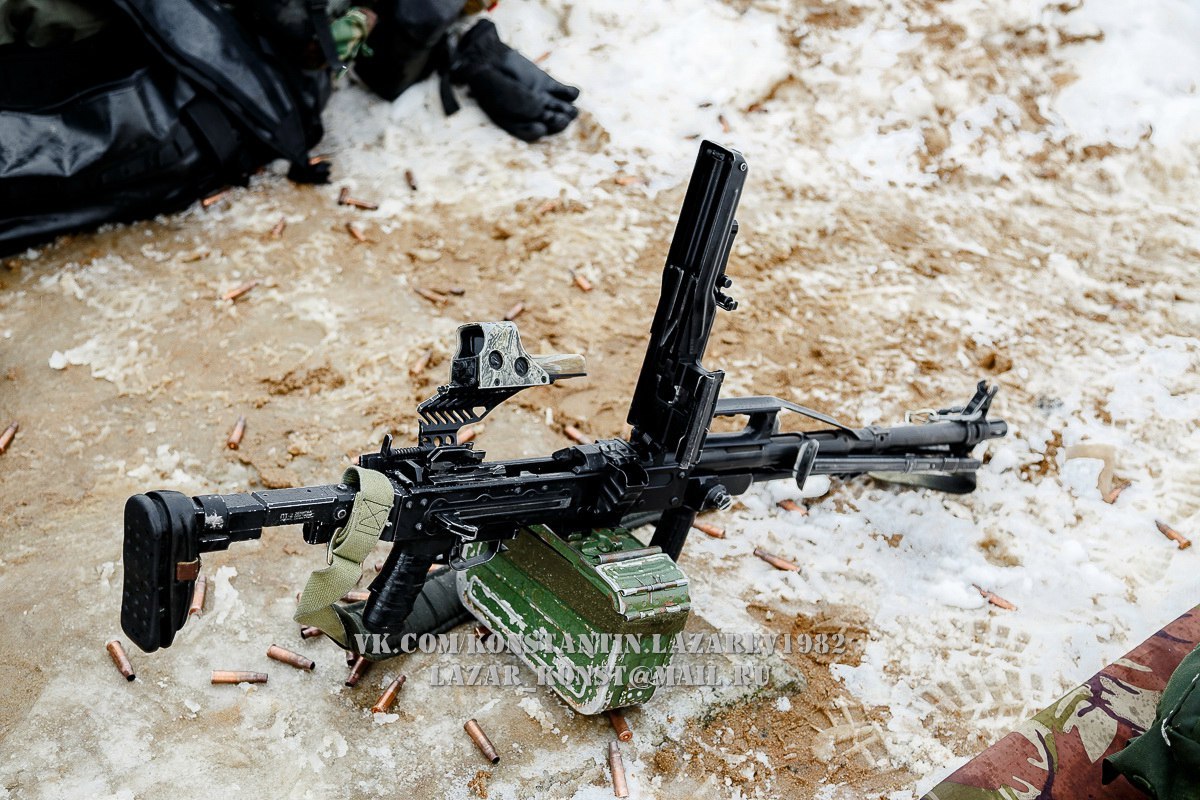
489,367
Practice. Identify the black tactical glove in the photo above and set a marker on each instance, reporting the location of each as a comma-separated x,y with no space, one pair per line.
511,89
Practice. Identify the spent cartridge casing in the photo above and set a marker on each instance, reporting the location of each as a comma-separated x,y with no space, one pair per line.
117,651
1175,536
617,765
482,741
384,704
360,667
7,437
775,561
288,657
198,592
223,676
620,726
235,438
792,505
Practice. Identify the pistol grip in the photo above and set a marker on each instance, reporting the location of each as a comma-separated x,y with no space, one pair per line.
395,589
161,531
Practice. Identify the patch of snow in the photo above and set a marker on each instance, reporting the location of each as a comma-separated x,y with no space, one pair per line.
1141,79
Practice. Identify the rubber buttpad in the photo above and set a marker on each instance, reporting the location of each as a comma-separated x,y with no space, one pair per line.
160,530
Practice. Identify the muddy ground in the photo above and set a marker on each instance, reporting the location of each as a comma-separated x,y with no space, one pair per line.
856,299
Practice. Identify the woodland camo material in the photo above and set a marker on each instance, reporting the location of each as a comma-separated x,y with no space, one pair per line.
1164,762
1058,754
350,32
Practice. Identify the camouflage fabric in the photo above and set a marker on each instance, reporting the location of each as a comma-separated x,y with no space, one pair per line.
350,32
1058,754
1164,762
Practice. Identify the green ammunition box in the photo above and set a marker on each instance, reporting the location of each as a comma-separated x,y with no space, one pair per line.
597,611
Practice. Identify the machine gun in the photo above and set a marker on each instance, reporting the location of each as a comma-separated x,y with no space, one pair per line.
451,506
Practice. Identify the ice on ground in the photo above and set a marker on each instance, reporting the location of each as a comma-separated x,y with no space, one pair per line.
226,599
974,175
1138,77
1081,476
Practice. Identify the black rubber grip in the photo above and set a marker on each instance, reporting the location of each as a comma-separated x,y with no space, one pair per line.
437,609
395,590
160,532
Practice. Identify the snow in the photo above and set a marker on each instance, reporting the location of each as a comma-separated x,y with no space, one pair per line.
1083,596
649,82
226,598
855,111
1141,79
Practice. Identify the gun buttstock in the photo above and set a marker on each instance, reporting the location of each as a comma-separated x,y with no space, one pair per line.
161,557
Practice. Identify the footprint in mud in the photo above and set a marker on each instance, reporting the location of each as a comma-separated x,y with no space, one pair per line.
1002,690
811,736
851,737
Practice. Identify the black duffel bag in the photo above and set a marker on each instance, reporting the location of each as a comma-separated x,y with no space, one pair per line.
407,44
166,104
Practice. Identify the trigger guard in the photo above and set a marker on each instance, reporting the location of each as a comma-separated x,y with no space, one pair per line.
457,562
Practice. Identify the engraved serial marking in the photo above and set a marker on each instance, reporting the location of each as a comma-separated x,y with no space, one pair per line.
293,516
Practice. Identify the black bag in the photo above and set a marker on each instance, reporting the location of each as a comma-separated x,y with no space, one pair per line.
167,104
404,44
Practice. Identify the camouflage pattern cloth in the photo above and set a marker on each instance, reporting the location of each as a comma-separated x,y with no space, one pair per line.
1059,753
350,32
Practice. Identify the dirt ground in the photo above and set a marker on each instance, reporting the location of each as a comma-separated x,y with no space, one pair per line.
853,298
